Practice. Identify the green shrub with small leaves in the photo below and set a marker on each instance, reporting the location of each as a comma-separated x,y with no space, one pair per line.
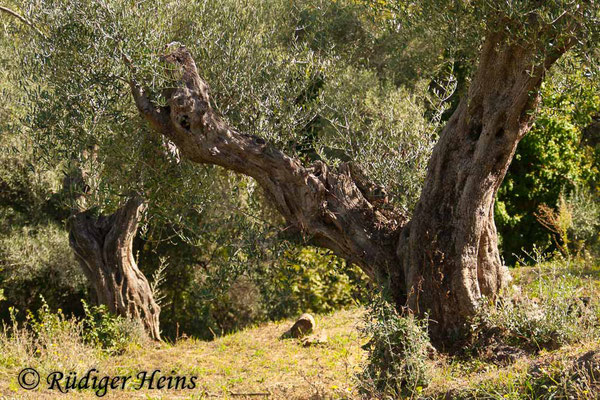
312,280
584,207
36,261
547,314
397,349
108,331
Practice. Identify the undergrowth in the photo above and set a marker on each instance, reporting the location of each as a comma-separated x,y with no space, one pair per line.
397,353
548,308
49,339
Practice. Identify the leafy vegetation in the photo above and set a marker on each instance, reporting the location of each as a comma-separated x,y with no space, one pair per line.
372,82
398,351
555,159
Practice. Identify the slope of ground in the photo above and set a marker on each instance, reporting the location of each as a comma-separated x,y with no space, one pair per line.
257,363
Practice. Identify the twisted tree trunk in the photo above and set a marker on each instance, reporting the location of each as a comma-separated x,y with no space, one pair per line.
449,251
103,247
446,258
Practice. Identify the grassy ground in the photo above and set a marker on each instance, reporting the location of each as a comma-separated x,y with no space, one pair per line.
250,362
256,363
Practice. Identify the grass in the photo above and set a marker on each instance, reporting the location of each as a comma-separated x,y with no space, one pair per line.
257,361
252,361
549,371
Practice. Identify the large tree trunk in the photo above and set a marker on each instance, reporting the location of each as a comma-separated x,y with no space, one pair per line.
103,247
444,260
449,250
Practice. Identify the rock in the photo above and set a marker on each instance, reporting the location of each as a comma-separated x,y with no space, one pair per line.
314,340
303,326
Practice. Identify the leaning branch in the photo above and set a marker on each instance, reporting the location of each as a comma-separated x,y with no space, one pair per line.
326,206
22,19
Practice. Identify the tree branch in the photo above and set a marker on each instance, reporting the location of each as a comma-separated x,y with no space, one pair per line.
326,206
22,19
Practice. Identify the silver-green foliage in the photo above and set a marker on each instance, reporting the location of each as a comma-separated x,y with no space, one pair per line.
262,76
398,349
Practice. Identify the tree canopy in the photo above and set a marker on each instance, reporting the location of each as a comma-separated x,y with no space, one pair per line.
352,96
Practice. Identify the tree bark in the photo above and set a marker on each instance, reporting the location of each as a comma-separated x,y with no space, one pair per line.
444,260
449,250
327,207
103,247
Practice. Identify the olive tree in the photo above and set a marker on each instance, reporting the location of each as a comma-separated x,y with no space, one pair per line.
441,258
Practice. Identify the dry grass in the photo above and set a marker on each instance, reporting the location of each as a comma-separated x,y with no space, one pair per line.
252,361
474,379
256,361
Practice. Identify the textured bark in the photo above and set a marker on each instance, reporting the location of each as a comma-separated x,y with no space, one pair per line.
103,247
325,206
446,258
449,250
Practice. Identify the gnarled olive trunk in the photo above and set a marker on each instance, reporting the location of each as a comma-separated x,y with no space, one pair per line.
103,247
446,258
449,250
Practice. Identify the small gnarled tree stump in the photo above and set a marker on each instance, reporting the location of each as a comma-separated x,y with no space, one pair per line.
103,246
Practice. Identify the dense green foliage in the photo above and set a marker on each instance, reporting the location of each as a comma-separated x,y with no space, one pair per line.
35,258
553,159
367,81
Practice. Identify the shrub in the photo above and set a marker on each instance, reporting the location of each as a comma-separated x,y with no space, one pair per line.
254,286
240,306
551,159
547,315
49,339
312,280
397,353
574,223
585,214
45,339
36,261
114,333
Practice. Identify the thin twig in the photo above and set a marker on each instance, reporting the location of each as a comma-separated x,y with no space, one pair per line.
22,19
266,394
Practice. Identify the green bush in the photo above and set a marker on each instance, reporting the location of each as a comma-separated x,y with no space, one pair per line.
49,327
397,353
551,160
545,315
584,207
312,280
108,331
36,261
240,306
